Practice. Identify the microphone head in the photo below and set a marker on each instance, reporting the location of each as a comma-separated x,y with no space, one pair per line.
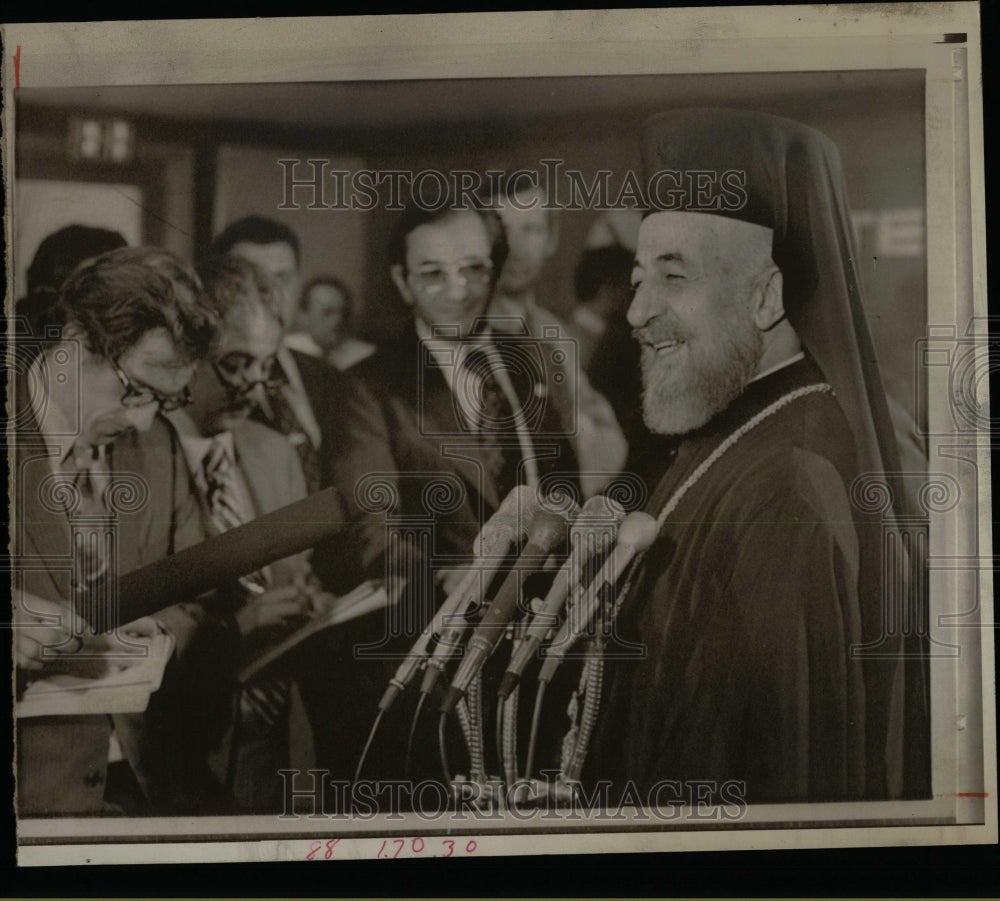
601,509
508,525
638,530
547,530
499,532
520,500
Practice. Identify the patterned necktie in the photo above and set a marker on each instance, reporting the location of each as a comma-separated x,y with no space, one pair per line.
264,702
224,499
285,420
494,420
90,552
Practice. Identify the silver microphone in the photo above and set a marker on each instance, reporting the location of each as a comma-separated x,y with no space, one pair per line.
592,534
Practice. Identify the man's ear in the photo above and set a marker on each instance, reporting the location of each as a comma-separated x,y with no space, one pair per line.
398,274
770,308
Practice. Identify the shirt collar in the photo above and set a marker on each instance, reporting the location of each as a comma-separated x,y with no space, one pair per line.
195,445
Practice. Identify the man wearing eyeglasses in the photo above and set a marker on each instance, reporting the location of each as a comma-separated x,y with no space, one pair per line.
241,470
84,418
303,405
448,406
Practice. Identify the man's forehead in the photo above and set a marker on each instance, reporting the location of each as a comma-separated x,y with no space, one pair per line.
252,329
325,295
701,235
456,237
156,349
272,257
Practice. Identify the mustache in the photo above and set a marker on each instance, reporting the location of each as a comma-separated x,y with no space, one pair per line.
654,333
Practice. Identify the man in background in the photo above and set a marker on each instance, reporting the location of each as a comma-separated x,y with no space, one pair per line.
326,324
532,236
303,407
441,411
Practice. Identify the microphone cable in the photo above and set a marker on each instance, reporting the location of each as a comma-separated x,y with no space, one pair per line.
536,717
368,744
413,732
509,732
443,748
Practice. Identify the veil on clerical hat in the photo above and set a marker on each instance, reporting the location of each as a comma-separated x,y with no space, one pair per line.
793,184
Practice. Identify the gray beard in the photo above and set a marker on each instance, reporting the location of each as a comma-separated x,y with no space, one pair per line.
677,400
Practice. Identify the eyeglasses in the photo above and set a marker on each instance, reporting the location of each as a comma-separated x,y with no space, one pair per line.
142,397
474,275
232,372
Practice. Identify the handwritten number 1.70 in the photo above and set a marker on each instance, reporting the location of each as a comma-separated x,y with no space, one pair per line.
390,850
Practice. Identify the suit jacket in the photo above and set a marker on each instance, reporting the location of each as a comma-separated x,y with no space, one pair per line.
62,761
406,463
201,700
323,385
401,436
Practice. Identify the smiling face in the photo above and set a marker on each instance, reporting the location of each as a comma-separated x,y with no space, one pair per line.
697,282
447,274
227,388
152,364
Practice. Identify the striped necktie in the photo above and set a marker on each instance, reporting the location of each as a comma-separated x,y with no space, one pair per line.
264,702
225,502
90,552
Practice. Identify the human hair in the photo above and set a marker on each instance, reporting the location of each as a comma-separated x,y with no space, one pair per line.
57,256
62,251
416,215
117,298
234,286
256,230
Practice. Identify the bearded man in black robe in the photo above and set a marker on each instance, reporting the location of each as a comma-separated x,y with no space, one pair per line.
764,583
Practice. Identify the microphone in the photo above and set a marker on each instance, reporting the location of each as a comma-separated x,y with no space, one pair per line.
493,541
524,505
222,558
592,534
546,533
636,533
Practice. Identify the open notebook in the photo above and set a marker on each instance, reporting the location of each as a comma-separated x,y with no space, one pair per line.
366,598
125,689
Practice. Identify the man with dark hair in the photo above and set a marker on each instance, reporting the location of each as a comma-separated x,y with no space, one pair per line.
84,419
449,416
532,235
304,406
756,600
57,256
326,324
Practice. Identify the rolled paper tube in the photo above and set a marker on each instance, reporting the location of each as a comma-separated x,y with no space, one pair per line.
223,558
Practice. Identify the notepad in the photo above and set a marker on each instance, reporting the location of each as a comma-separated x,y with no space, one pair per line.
126,689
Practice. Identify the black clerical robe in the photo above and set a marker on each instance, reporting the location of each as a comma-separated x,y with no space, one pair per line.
747,605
